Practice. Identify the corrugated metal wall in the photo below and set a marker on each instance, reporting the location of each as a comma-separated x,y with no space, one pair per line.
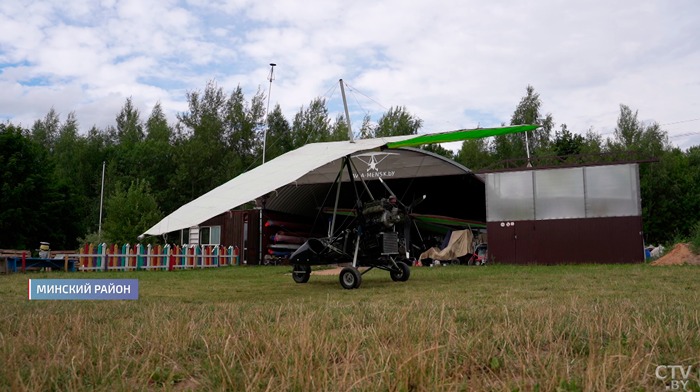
232,224
567,241
232,232
215,221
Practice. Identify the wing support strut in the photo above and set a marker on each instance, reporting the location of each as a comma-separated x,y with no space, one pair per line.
339,179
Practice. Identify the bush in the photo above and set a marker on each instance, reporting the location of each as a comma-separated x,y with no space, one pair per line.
677,238
695,238
130,212
91,238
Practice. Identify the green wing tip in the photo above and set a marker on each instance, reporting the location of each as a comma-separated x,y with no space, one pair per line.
462,134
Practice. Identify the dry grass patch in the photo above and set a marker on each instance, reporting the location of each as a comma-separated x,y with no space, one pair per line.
574,328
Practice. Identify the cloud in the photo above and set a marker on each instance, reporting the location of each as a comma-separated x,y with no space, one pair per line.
453,63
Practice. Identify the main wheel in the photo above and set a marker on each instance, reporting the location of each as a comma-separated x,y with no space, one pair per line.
350,278
404,273
301,273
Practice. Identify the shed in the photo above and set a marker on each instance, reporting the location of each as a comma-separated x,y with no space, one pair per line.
567,209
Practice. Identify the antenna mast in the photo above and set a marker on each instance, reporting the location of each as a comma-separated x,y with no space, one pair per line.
102,198
270,77
347,114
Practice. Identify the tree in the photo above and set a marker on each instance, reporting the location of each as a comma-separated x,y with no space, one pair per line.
629,129
157,128
398,121
130,212
664,186
339,129
129,125
475,154
99,147
157,159
440,150
34,205
201,147
527,112
67,143
45,132
367,128
632,134
244,126
311,124
592,143
279,134
567,143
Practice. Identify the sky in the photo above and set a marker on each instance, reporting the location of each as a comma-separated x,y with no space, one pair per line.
455,64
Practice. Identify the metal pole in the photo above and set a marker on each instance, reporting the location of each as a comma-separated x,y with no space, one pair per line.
102,197
347,114
269,93
527,146
361,179
271,77
260,242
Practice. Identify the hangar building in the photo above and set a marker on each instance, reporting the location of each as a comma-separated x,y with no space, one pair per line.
578,209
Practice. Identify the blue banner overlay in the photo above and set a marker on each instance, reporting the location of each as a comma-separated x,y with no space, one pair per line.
83,289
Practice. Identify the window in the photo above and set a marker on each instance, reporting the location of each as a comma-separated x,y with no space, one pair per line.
210,235
589,192
216,235
612,191
185,236
559,194
509,196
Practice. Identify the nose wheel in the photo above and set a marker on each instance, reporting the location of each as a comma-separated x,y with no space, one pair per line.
401,273
301,273
350,278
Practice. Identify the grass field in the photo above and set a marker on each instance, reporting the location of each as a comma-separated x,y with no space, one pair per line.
501,328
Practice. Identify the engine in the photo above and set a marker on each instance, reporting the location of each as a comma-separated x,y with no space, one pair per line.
381,214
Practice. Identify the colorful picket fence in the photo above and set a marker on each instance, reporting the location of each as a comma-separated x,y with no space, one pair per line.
104,257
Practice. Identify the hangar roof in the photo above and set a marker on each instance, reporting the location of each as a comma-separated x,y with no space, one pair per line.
292,166
262,180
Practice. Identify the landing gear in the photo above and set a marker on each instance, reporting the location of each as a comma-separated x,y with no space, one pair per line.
301,273
350,278
401,274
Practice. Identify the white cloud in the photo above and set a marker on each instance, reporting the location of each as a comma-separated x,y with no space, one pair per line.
453,63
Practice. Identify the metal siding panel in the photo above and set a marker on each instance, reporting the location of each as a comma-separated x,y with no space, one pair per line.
501,243
589,240
253,237
236,233
226,230
525,242
568,241
511,196
612,191
559,194
215,221
559,241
